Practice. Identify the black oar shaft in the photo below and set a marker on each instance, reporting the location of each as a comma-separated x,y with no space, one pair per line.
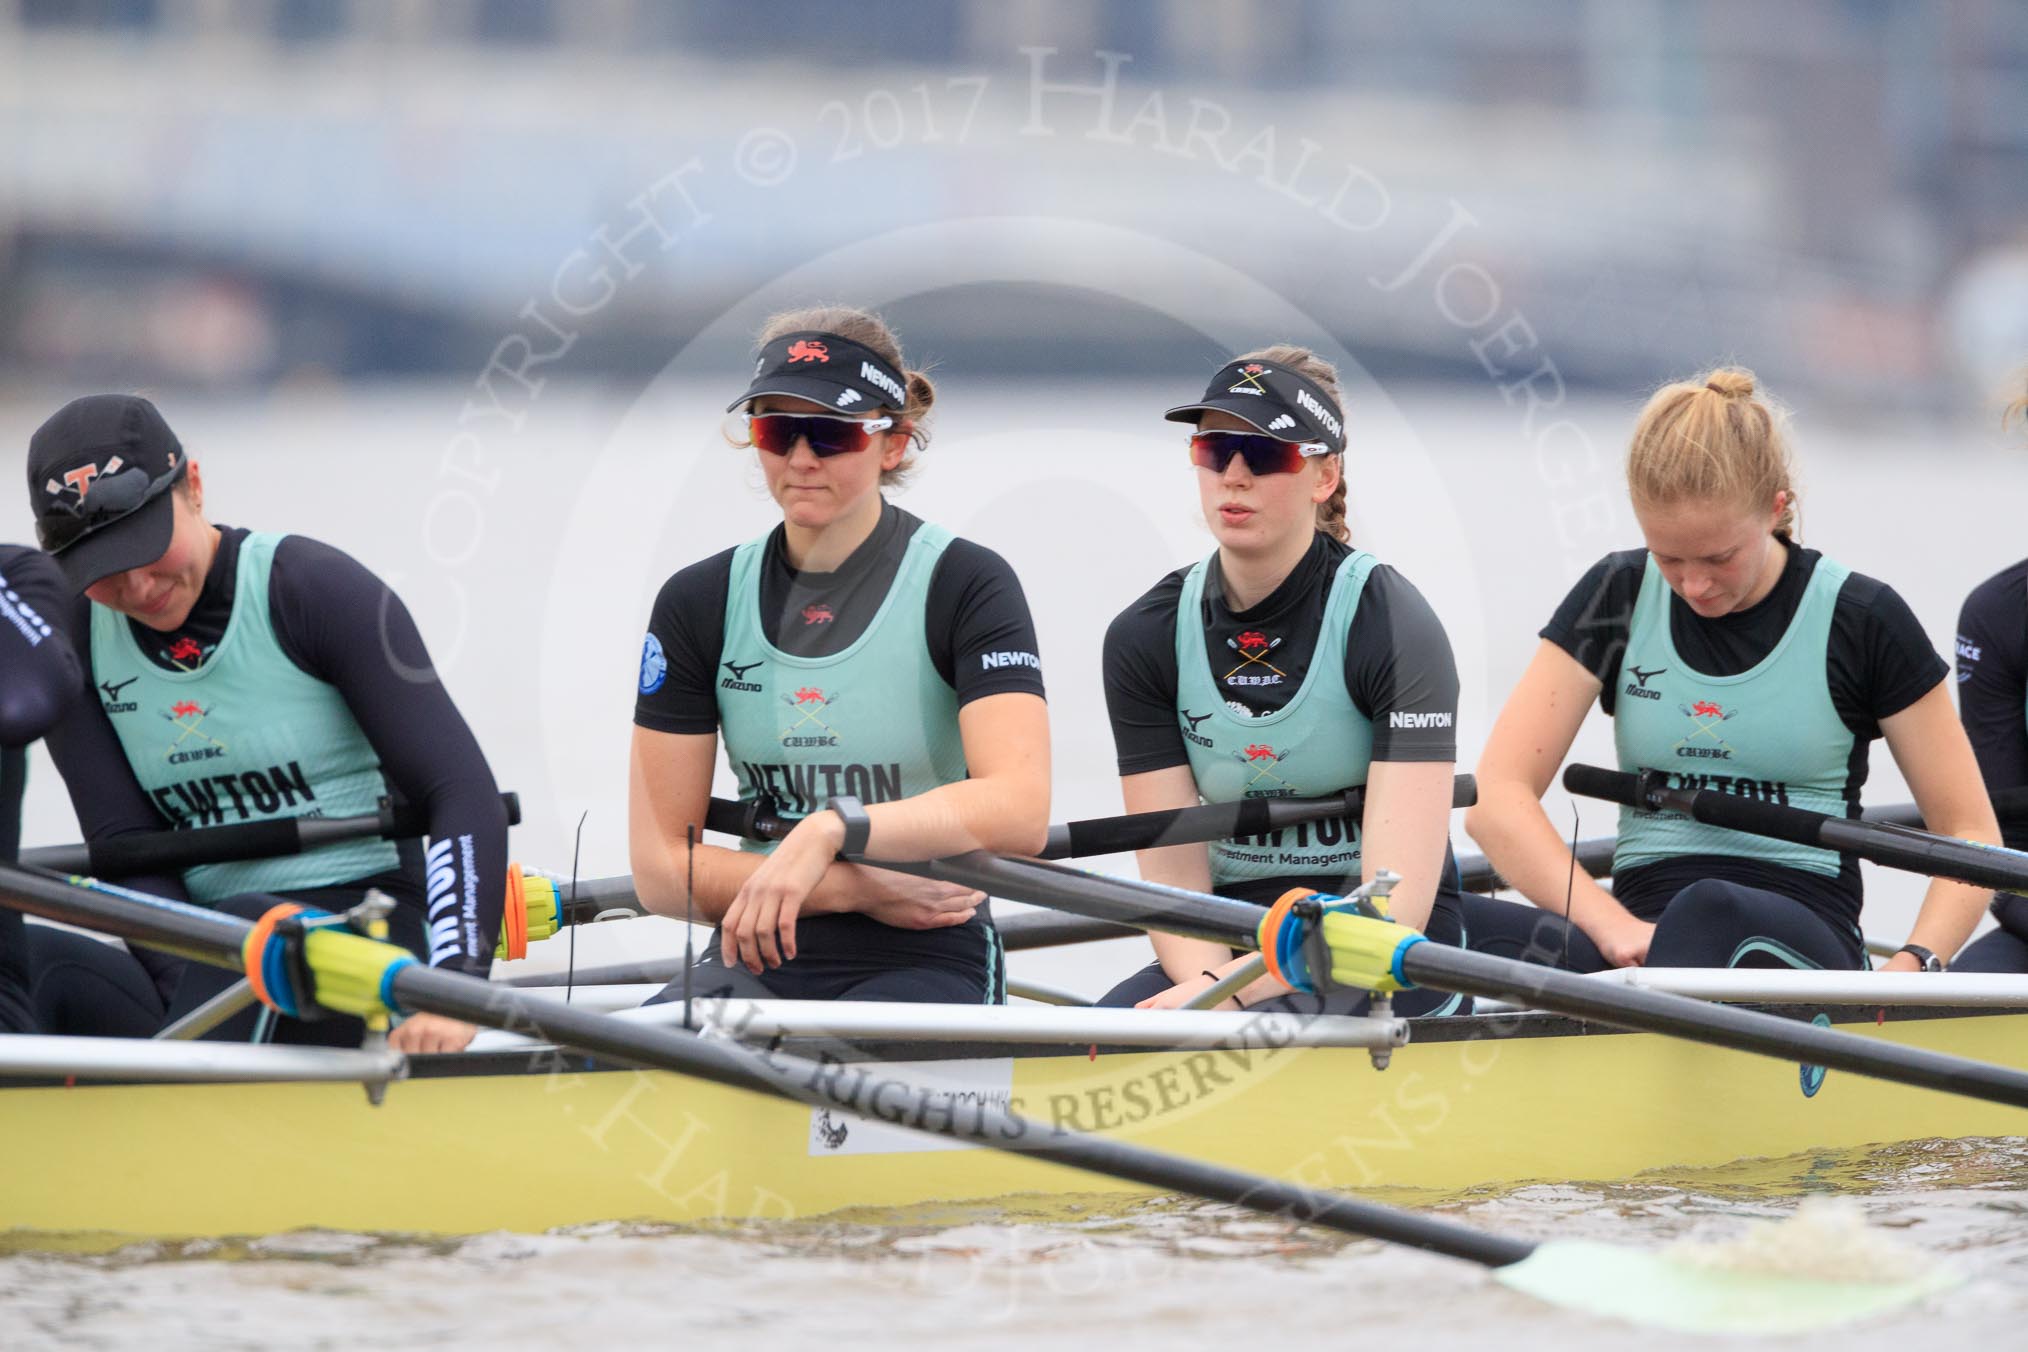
169,851
862,1088
172,851
190,931
1194,915
856,1087
1136,830
1455,969
1893,846
1215,821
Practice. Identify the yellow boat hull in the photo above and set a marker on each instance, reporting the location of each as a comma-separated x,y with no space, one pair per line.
1486,1102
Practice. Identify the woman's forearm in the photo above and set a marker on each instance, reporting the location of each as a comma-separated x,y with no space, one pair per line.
661,877
1950,912
1524,847
972,814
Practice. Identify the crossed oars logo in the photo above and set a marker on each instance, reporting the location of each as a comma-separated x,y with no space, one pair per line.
1250,374
1262,759
187,715
809,702
1253,647
1707,715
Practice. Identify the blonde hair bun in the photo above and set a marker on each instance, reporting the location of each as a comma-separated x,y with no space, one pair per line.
1731,381
1714,437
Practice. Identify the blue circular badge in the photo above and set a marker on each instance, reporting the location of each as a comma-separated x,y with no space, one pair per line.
654,666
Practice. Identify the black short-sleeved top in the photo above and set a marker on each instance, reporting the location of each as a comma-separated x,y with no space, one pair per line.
975,609
1878,662
1992,653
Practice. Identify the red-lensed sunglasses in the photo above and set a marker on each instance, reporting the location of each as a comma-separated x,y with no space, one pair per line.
1263,454
778,433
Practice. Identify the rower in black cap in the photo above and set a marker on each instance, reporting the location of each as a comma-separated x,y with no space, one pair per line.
235,676
868,672
1285,664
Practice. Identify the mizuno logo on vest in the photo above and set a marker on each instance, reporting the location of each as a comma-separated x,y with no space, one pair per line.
1191,734
1641,691
738,680
114,704
1398,719
802,789
215,799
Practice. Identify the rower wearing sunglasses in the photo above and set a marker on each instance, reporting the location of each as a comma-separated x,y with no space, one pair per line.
868,673
38,682
1286,664
235,676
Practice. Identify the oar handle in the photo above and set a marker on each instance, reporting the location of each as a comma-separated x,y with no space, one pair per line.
1893,846
748,820
173,851
1215,821
1134,831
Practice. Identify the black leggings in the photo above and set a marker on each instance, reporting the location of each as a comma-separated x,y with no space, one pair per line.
1522,932
1723,924
2006,948
1999,951
829,978
86,987
17,987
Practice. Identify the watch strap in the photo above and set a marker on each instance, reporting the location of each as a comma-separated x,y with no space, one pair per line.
1930,961
858,826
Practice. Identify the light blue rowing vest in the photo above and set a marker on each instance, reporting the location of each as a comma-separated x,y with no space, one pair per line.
247,736
1318,743
1769,733
875,722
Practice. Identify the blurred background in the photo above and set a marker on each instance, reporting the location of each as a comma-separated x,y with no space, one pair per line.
239,192
462,287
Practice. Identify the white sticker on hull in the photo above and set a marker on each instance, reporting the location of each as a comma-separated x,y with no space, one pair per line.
955,1085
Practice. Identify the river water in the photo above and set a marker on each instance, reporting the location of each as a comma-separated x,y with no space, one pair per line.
530,552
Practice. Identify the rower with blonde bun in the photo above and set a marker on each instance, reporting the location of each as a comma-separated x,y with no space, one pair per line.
1730,657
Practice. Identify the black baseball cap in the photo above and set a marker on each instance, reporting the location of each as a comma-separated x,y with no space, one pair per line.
1278,401
826,369
99,475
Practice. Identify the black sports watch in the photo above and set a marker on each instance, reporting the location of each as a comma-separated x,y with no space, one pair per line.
858,826
1930,961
